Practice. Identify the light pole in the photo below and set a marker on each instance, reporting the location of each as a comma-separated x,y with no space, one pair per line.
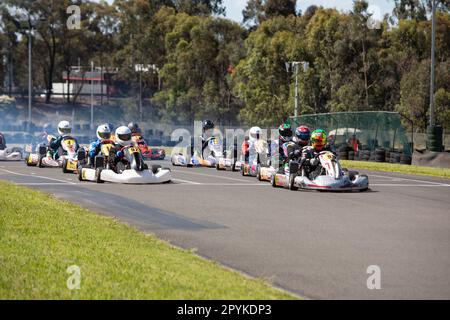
295,65
143,68
30,89
433,62
92,95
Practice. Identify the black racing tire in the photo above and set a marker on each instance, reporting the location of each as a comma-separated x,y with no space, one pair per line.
27,162
243,170
98,174
233,167
39,164
405,159
292,187
258,172
272,181
80,173
64,166
351,155
156,168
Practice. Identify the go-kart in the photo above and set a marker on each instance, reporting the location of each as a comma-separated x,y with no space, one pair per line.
68,155
215,146
147,152
258,162
130,170
11,154
328,176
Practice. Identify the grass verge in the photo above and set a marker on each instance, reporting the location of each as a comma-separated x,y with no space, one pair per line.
399,168
40,237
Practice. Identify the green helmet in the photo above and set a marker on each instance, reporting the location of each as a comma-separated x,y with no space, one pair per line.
318,139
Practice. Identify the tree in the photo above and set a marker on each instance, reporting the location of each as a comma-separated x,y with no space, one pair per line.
257,11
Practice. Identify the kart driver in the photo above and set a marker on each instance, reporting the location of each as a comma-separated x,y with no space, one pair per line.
285,136
254,135
103,135
302,136
64,129
123,139
135,130
309,159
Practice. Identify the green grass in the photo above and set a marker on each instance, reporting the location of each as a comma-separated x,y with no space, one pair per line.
40,237
392,167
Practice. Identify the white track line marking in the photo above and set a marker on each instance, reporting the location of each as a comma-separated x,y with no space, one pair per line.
36,176
185,181
226,184
43,184
408,185
414,180
209,175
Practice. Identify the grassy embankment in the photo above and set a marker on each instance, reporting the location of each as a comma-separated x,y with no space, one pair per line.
399,168
40,237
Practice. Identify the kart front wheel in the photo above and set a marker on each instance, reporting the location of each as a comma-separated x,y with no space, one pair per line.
98,174
292,186
40,165
64,166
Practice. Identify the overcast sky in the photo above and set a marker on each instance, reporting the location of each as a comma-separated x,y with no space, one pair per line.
378,7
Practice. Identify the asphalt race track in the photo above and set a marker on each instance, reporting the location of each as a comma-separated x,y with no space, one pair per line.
318,245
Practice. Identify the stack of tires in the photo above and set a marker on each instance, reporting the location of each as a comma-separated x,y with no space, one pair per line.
343,153
395,157
405,159
351,155
364,155
380,155
434,138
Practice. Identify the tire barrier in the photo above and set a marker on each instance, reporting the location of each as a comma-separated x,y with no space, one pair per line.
434,139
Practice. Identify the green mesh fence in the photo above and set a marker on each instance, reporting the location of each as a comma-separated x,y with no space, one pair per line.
373,130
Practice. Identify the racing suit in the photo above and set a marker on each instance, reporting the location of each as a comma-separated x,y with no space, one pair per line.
55,144
94,149
309,159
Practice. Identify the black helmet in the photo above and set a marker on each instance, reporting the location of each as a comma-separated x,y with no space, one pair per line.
285,131
207,125
134,127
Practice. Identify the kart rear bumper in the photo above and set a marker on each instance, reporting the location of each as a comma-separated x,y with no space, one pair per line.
9,155
128,176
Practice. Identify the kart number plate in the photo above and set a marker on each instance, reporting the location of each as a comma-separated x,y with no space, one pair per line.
133,150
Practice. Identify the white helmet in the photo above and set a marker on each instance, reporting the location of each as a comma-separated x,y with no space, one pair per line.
255,133
64,128
123,136
103,132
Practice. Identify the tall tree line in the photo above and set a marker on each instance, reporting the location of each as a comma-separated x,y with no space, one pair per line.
209,66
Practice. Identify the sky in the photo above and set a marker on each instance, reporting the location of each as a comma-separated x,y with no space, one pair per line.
378,7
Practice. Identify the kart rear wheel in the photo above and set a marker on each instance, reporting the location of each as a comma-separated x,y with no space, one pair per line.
28,163
98,174
272,181
258,172
80,173
292,186
243,170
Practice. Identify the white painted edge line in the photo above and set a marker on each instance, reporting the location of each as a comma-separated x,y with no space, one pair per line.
407,185
36,176
209,175
407,179
43,184
186,181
